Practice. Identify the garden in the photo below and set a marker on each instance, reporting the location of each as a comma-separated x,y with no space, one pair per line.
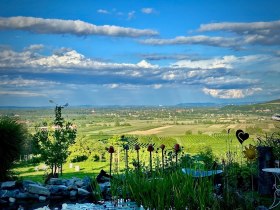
131,171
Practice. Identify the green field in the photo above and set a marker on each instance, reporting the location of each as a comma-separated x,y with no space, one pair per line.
193,128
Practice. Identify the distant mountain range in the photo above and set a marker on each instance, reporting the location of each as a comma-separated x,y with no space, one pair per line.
181,105
211,104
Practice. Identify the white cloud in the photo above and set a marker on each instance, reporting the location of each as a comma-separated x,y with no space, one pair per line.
221,77
147,10
200,39
75,27
157,86
145,64
112,86
103,11
35,47
22,93
266,33
230,93
161,56
65,61
21,82
227,62
223,62
234,81
131,15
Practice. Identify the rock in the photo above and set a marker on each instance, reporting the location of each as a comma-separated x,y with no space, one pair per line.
72,187
87,181
23,195
8,193
25,183
8,185
42,198
77,168
83,192
104,186
79,183
56,181
37,189
12,200
73,193
58,190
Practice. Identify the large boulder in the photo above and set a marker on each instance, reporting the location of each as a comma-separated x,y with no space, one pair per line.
8,185
83,192
58,190
56,181
38,189
25,183
8,193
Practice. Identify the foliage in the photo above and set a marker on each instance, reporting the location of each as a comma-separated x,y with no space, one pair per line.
271,140
52,142
207,157
171,190
12,136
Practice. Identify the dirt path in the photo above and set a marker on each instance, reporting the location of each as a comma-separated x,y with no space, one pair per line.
151,131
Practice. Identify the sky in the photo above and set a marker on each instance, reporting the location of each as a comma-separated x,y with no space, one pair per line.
138,52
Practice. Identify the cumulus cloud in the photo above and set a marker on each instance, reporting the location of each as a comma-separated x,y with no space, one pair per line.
74,27
145,64
70,61
218,76
230,93
266,33
200,39
147,10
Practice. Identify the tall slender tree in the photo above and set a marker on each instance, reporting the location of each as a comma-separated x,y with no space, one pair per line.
52,142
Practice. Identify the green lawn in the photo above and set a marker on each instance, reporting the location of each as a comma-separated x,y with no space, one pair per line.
91,169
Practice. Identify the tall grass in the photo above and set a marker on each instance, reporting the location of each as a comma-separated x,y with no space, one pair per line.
165,190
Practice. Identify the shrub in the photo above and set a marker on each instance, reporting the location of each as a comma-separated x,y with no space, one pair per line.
12,136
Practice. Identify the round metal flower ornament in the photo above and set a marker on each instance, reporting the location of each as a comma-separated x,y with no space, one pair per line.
150,148
250,152
111,149
136,147
177,148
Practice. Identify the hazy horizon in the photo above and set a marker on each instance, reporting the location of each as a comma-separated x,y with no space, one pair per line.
143,53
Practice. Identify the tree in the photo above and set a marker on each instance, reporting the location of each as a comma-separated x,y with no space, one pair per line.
12,135
52,142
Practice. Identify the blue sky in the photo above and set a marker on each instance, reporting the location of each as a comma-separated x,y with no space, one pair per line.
138,52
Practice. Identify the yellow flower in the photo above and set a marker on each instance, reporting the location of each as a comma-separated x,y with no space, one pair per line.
250,152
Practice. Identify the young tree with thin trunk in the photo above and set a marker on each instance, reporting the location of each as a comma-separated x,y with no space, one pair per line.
52,142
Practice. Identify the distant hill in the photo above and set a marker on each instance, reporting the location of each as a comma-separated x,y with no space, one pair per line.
196,105
270,107
277,101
